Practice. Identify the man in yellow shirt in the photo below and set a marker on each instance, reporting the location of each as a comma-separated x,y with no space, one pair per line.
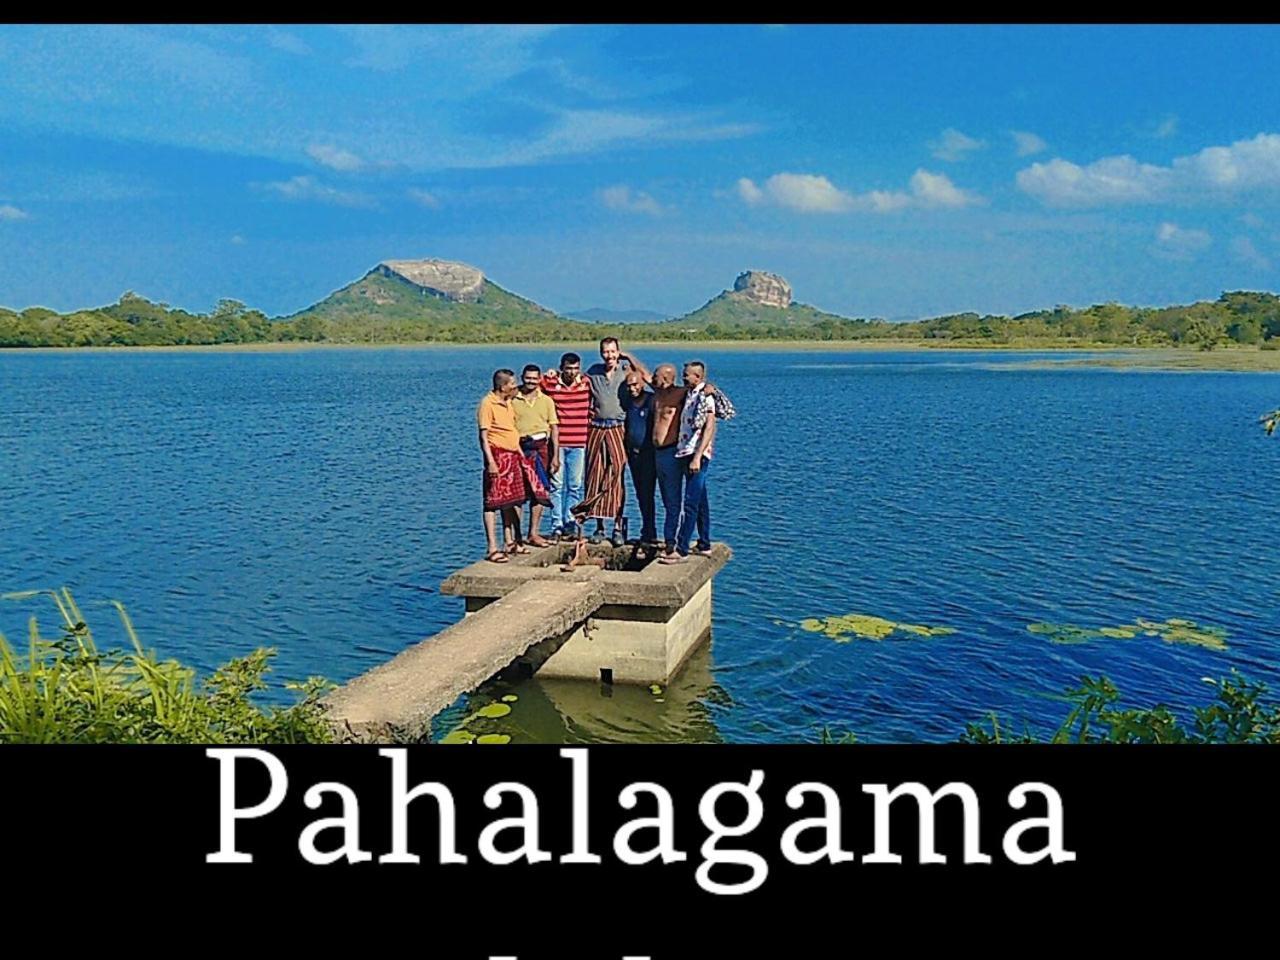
539,437
510,477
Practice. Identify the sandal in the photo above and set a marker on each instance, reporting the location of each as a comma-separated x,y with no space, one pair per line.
497,557
538,540
517,548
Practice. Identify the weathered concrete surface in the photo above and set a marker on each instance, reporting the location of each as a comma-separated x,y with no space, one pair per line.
637,645
449,279
396,701
657,585
648,621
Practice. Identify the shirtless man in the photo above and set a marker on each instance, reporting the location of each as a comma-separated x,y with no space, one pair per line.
668,402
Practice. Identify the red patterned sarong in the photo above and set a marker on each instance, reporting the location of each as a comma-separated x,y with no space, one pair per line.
516,481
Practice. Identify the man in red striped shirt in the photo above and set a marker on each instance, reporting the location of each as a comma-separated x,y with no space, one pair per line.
571,393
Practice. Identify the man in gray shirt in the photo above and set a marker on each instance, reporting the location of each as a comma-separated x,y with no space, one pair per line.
606,446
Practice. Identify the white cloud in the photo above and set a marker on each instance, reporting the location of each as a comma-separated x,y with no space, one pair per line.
237,240
306,188
1180,243
954,145
1166,128
807,193
335,157
812,193
9,212
1244,165
937,190
627,200
749,192
1246,252
1028,143
424,198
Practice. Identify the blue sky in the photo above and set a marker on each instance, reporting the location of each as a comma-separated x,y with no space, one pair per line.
885,171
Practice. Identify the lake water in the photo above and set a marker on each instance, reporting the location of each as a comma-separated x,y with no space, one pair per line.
314,500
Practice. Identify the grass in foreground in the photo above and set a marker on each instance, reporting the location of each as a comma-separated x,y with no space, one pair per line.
66,691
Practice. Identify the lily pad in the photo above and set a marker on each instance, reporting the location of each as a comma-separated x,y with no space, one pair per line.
655,689
845,627
494,738
510,698
493,710
1171,631
458,736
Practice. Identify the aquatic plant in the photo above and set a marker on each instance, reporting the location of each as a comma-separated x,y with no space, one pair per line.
845,627
1239,715
465,731
1171,631
65,690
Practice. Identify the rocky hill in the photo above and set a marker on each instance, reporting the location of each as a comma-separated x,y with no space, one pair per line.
407,300
759,304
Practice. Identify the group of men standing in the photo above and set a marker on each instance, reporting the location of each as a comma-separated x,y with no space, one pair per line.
564,440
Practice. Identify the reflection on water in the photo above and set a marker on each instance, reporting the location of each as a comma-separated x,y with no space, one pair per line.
580,711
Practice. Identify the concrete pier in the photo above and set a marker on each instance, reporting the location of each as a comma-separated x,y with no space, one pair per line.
627,620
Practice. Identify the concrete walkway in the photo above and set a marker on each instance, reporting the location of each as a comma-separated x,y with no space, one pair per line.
396,701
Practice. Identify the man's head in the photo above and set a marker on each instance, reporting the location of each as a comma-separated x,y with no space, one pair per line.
570,367
504,383
530,377
635,383
664,376
610,351
695,371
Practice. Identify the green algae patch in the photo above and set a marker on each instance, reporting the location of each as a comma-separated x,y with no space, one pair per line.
847,626
494,738
492,711
1173,630
458,736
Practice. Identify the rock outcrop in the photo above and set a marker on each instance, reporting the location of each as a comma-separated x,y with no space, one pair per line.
447,279
767,289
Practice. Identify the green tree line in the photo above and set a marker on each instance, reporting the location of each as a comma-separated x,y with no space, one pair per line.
1240,317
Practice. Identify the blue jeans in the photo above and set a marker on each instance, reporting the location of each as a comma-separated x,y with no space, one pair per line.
696,509
670,482
644,475
566,486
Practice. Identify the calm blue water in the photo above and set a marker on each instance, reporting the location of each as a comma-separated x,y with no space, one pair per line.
313,501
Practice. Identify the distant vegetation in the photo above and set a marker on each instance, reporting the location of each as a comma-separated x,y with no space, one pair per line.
380,309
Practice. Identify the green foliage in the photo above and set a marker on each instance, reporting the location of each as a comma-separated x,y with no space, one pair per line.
383,309
1239,715
845,627
1270,421
65,691
1171,631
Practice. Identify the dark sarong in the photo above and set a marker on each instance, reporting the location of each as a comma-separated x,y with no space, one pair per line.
540,451
516,482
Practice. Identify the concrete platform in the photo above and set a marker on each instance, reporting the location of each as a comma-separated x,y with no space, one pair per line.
633,621
650,619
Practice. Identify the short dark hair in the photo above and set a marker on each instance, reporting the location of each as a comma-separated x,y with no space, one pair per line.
613,340
502,377
699,364
530,366
569,359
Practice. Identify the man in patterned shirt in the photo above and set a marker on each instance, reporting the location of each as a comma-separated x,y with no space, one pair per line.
693,457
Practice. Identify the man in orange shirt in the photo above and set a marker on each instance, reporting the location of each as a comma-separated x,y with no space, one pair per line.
510,478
